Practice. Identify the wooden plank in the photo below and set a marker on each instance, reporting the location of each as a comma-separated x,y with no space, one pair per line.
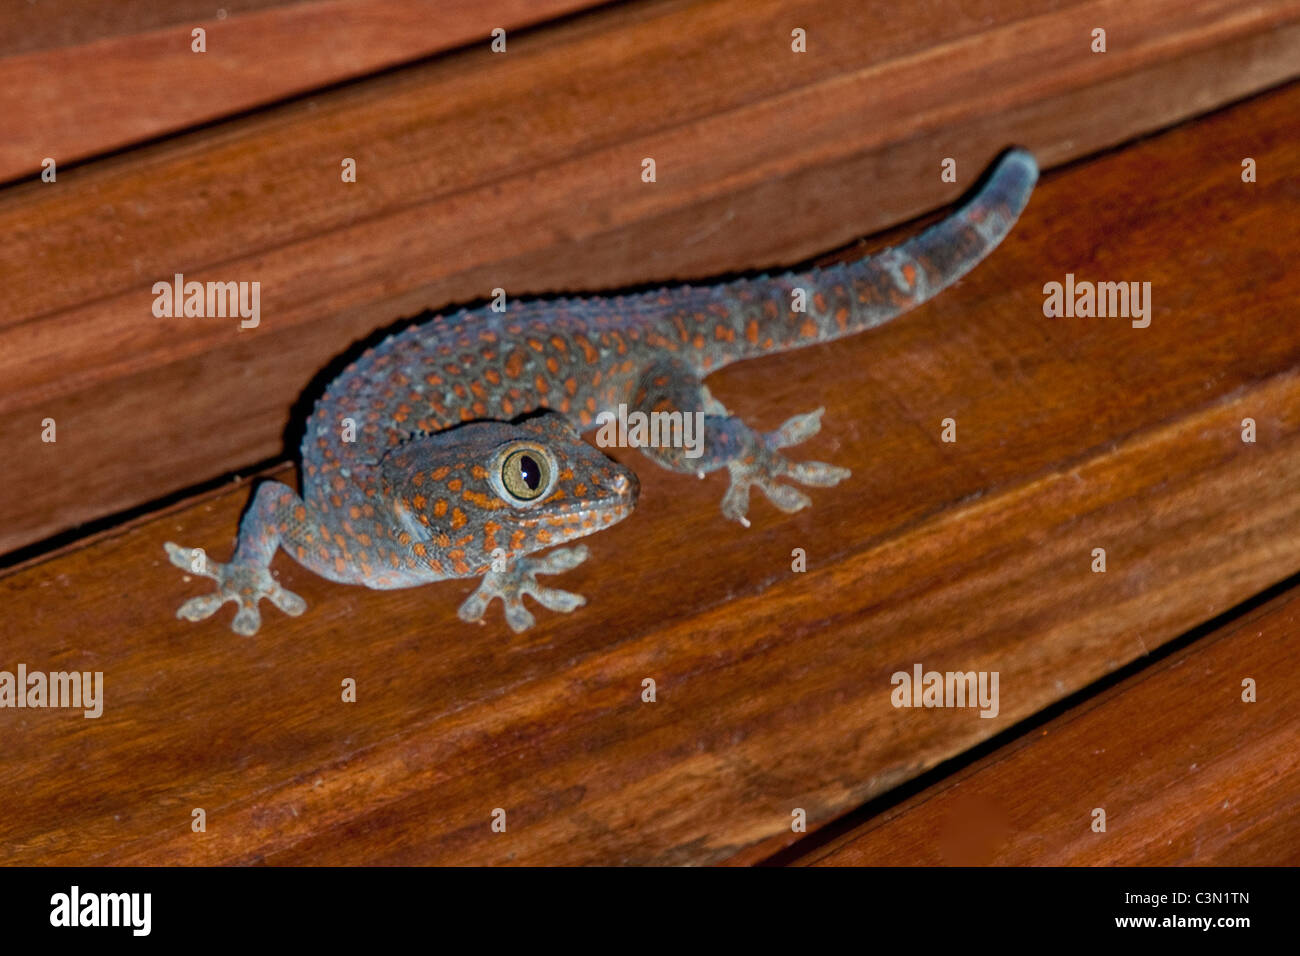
85,81
462,189
773,687
1186,771
56,23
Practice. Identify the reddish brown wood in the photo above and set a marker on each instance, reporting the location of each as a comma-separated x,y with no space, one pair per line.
1187,772
522,171
773,687
89,79
56,23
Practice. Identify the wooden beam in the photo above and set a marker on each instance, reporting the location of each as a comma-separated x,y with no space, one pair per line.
1187,772
774,687
523,172
81,79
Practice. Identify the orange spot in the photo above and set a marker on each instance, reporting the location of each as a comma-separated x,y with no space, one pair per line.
483,501
515,364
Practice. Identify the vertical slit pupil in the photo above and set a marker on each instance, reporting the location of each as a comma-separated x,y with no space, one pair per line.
530,472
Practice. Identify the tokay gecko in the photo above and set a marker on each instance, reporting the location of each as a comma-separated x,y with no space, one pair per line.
453,449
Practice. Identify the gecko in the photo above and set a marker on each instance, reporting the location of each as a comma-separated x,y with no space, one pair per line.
454,448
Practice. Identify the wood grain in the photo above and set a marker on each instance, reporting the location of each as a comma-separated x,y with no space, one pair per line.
1187,772
523,172
87,81
773,687
57,23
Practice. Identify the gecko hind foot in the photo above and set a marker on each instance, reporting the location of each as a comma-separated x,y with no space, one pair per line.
520,578
243,583
765,465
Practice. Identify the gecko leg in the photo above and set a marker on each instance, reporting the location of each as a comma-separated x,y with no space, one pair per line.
763,464
753,459
246,578
520,578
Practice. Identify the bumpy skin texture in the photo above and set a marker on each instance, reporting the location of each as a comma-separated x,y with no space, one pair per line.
406,454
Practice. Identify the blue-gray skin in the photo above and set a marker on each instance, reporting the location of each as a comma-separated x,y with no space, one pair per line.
467,456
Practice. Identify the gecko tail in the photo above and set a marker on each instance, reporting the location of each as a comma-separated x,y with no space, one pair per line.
951,248
794,309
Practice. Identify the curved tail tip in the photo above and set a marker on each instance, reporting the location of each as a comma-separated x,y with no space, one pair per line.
1021,160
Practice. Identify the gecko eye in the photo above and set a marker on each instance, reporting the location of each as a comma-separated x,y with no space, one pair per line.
526,474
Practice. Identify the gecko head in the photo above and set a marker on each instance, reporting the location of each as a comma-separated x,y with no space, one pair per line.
486,490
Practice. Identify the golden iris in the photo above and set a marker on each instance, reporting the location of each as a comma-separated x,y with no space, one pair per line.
525,474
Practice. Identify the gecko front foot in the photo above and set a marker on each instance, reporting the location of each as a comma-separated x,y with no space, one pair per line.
763,465
520,578
243,583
